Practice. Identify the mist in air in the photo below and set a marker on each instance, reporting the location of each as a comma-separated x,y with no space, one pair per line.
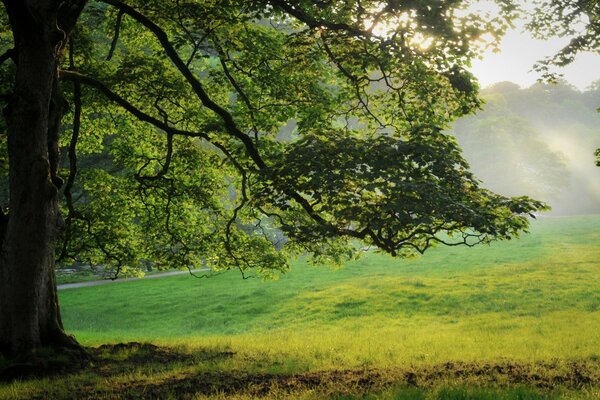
537,141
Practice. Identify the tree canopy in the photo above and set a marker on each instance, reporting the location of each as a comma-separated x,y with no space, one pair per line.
171,118
172,140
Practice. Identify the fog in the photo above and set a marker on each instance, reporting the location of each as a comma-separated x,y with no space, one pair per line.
538,142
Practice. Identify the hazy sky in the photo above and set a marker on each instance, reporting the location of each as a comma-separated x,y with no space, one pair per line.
519,51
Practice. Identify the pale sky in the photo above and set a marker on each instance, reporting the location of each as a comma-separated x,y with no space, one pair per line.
519,51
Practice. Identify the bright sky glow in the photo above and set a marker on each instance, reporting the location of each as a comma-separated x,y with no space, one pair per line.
519,52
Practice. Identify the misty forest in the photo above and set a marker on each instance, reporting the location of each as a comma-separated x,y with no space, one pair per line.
290,199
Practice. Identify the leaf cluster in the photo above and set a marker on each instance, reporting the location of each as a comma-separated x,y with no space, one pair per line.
579,20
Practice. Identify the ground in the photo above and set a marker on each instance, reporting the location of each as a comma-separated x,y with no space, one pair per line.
514,320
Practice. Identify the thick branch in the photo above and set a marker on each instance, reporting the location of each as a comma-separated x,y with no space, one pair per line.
74,76
73,145
226,117
170,51
68,14
72,213
74,136
304,203
242,94
8,54
133,110
3,225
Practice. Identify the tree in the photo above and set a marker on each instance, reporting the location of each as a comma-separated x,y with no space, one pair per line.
177,108
578,20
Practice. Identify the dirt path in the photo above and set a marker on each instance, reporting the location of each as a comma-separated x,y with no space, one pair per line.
107,281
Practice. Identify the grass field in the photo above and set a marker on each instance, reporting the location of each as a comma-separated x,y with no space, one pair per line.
530,305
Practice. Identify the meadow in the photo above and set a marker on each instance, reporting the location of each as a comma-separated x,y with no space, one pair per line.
516,320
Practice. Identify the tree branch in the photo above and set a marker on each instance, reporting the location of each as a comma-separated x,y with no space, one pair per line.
68,14
3,225
74,137
72,154
165,168
77,77
8,54
318,23
113,44
133,110
227,118
74,76
239,90
170,51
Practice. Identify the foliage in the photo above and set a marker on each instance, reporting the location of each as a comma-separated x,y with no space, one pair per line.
579,20
173,142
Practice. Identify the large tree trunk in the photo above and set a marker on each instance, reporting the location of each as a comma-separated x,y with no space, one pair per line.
29,312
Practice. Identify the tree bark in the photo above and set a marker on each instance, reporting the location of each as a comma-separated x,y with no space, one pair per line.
29,311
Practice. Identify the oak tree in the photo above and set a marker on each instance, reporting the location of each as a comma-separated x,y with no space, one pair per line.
232,134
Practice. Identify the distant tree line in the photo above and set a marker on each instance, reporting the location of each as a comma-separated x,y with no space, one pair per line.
539,141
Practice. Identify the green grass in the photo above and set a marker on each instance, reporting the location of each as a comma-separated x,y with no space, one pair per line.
529,299
530,307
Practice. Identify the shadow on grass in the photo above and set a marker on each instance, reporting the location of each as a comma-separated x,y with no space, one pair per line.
142,370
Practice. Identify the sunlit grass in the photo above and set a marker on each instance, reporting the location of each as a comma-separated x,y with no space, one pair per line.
419,343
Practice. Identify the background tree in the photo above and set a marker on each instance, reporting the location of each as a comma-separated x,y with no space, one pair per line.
537,141
177,108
